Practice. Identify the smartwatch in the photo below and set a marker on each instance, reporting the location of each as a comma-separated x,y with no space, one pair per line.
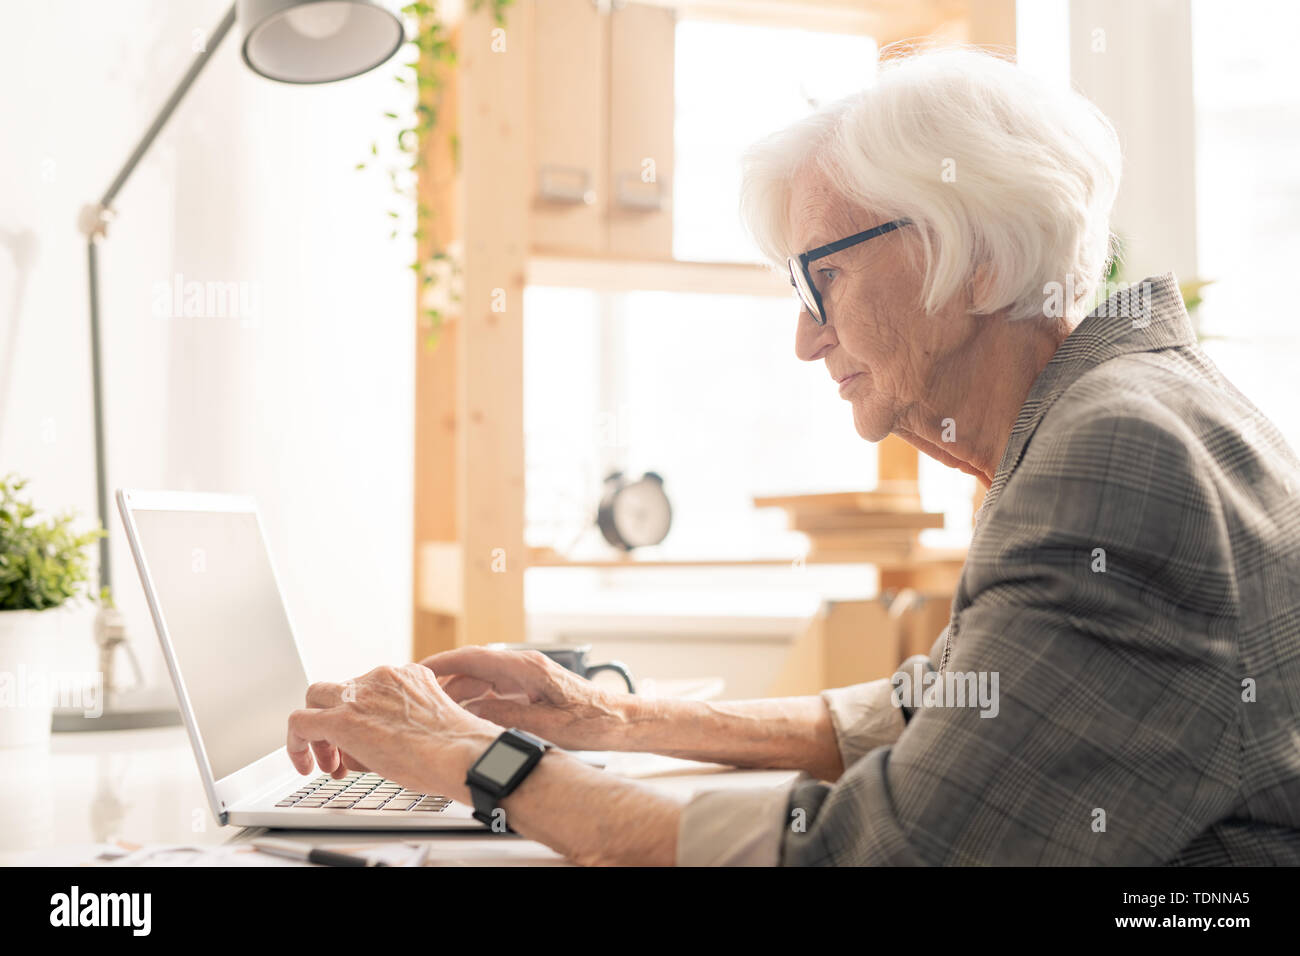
502,768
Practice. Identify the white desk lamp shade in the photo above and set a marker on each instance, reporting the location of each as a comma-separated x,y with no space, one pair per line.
317,41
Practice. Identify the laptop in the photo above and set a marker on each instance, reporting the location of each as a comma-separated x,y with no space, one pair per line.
238,674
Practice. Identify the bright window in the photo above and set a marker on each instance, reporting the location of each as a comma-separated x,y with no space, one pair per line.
734,85
1247,87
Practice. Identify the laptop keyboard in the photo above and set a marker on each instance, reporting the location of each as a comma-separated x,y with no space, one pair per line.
362,791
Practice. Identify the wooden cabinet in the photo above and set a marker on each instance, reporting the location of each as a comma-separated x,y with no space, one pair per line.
641,132
602,129
570,100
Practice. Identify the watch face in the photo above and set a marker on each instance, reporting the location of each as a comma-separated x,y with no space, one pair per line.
501,763
642,514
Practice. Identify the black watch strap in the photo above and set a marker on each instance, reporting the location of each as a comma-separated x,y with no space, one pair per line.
485,804
909,684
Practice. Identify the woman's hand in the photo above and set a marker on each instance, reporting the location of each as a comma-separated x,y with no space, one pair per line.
394,721
401,723
528,690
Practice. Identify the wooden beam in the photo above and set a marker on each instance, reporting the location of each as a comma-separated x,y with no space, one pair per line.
992,24
437,410
469,443
494,172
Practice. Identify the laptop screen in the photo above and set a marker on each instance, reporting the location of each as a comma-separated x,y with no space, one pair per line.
213,583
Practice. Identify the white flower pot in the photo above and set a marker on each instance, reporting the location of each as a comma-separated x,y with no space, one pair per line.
26,649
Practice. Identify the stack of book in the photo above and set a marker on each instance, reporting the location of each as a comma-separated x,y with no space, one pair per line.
885,523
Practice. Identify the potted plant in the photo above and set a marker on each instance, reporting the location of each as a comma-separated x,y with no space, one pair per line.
44,565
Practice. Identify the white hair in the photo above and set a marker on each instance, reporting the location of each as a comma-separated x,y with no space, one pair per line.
994,166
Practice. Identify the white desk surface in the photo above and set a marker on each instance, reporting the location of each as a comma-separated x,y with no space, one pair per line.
143,786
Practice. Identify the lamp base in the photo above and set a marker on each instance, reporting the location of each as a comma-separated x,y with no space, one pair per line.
76,722
131,710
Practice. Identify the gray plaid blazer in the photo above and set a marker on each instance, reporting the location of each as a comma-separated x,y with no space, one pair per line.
1134,581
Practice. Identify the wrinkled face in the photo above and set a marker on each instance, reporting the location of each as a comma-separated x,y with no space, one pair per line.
881,349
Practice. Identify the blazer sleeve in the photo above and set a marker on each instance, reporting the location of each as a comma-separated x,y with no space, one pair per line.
1101,598
744,827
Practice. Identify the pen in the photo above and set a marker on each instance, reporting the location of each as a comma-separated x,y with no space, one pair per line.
310,854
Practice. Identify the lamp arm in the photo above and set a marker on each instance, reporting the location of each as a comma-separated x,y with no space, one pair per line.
169,107
93,223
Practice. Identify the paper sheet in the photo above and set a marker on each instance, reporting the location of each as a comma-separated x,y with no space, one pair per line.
244,854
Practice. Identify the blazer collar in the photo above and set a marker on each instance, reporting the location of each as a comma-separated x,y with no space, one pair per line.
1144,317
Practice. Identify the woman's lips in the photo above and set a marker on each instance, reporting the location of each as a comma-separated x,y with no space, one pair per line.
847,383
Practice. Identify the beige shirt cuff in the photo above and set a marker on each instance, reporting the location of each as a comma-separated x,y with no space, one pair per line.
734,827
864,717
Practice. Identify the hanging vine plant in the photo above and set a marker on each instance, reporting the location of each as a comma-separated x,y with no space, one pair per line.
430,55
1189,289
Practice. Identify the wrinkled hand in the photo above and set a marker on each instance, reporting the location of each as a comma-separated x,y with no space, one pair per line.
394,721
528,690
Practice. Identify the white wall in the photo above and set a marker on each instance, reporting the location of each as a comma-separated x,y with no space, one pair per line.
310,406
1134,60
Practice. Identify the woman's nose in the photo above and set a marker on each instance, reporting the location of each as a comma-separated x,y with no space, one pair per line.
812,341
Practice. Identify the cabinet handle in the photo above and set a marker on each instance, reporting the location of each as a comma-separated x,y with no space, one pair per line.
631,193
565,184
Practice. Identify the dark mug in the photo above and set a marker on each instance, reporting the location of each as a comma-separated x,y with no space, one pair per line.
573,657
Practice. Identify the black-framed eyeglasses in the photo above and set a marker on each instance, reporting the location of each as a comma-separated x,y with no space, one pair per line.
802,280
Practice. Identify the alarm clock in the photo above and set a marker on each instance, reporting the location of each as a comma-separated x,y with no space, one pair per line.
634,514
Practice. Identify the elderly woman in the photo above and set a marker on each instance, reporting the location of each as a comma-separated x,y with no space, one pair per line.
1133,582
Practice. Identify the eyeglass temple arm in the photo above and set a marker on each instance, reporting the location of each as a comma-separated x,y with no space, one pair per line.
833,247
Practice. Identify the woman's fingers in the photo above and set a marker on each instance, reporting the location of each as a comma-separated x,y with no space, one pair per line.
309,734
327,756
351,763
324,694
492,666
393,721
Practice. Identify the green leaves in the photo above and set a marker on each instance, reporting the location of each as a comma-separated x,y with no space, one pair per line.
43,563
432,52
498,10
1190,290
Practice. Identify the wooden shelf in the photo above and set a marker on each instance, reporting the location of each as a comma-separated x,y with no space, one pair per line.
671,275
879,18
888,558
989,22
439,584
544,558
